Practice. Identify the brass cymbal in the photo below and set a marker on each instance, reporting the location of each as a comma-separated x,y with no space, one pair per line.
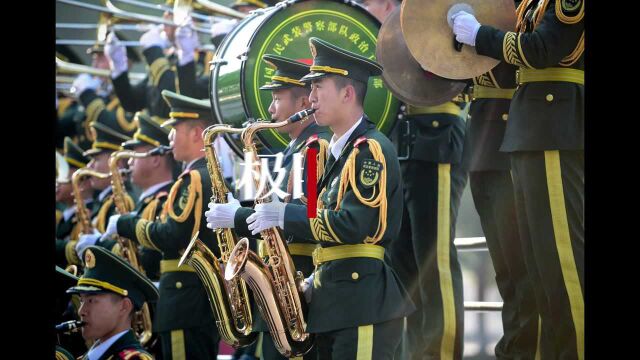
403,75
430,38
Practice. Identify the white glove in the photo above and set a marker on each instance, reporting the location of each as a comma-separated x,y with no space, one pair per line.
267,216
186,42
307,288
222,215
84,82
222,27
465,27
153,37
116,53
85,241
112,228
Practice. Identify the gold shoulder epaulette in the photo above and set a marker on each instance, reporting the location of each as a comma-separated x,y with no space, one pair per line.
570,11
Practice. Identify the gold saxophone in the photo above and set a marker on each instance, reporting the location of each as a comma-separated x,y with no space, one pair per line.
275,283
142,319
82,213
229,300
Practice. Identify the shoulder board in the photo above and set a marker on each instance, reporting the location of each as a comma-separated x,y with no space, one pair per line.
569,11
359,141
131,354
312,139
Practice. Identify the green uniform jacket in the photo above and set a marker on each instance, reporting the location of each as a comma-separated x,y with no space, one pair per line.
339,301
67,233
147,94
96,107
488,120
149,208
126,347
536,123
183,302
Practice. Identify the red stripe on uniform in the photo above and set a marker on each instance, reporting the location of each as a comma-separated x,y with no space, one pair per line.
312,193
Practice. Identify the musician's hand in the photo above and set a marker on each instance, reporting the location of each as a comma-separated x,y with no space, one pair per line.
154,37
222,215
307,288
465,27
112,228
267,216
84,82
116,53
85,241
186,42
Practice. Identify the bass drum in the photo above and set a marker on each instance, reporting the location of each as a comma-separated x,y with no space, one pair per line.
238,71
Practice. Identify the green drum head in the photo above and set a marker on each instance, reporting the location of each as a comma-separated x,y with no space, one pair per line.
287,33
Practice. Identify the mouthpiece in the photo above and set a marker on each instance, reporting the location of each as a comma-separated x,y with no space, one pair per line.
70,326
301,115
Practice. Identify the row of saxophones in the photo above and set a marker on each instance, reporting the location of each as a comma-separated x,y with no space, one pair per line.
126,249
275,283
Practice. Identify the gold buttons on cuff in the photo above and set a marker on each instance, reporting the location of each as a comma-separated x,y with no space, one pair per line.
355,276
505,117
550,97
435,123
178,285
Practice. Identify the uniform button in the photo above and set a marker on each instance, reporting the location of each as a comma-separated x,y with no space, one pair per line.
505,117
549,97
178,285
435,123
355,276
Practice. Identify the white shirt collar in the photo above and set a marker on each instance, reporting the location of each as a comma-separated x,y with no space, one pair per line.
103,194
68,212
153,189
97,351
188,167
336,145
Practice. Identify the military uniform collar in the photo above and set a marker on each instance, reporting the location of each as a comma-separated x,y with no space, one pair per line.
104,193
337,146
153,189
313,128
194,164
97,352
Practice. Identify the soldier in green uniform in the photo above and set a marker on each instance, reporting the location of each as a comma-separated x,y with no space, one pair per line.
154,176
68,229
146,94
183,319
108,136
492,191
66,309
435,174
289,95
357,302
110,292
545,141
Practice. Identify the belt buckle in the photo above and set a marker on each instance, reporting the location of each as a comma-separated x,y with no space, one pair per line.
316,257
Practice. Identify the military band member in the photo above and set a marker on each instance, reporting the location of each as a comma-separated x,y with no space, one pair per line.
424,256
108,136
154,175
492,191
289,95
545,141
66,309
110,292
184,319
357,301
146,94
68,229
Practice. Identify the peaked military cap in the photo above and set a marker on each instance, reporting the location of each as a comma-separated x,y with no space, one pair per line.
73,154
107,135
186,108
257,3
287,72
105,272
64,279
149,133
329,59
